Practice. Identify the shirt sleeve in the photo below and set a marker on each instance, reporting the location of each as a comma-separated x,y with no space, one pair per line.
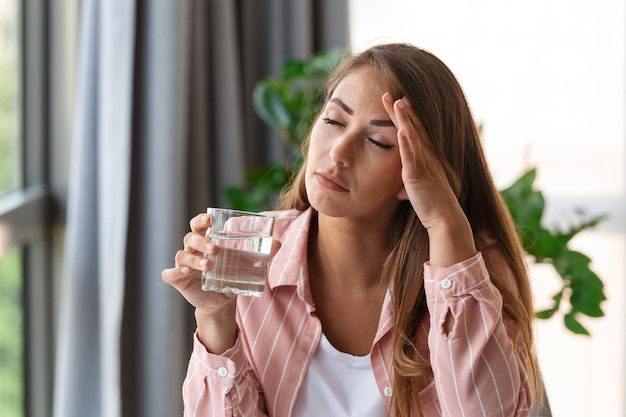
477,371
220,385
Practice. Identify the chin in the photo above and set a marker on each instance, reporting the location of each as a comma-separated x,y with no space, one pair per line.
329,208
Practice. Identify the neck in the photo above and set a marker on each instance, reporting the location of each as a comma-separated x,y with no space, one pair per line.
347,253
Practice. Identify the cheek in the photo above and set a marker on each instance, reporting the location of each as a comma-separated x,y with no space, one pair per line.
393,183
386,184
388,178
316,142
316,152
381,191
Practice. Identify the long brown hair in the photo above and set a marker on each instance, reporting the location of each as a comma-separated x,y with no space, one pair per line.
440,102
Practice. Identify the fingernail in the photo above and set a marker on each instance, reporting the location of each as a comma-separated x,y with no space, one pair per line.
400,104
204,263
406,101
387,97
184,270
204,218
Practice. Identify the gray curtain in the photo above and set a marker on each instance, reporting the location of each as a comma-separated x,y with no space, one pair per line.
163,121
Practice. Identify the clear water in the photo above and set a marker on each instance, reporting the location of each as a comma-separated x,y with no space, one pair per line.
240,266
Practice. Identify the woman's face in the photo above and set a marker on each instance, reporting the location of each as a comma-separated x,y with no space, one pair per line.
353,163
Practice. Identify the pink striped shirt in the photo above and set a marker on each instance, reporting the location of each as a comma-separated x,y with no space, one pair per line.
476,372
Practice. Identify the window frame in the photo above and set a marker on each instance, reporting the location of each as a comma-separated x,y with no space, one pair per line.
31,214
32,217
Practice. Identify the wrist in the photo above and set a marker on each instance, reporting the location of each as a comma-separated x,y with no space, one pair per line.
217,330
451,241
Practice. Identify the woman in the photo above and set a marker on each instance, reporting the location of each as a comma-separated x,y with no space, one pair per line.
399,287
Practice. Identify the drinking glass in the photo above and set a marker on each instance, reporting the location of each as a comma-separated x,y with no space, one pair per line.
241,263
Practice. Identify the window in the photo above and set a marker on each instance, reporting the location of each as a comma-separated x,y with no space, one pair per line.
11,336
8,97
11,291
37,47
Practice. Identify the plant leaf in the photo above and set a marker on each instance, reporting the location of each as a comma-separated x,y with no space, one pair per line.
545,314
270,106
585,289
574,325
548,313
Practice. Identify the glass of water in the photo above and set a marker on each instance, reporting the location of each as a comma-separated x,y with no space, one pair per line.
241,263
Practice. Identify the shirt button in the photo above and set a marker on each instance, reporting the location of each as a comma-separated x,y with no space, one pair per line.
388,391
446,283
222,371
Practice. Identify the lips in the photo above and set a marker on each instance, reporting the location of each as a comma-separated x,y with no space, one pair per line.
330,181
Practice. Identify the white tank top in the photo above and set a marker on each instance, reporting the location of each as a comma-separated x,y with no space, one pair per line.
340,385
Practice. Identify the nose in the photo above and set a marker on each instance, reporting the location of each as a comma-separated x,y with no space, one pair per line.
342,151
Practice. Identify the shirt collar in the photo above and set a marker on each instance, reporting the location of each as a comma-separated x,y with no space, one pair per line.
289,265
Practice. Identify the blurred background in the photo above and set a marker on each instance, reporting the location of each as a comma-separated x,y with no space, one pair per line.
547,81
120,119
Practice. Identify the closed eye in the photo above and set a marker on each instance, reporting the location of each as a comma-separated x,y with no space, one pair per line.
372,141
380,145
332,122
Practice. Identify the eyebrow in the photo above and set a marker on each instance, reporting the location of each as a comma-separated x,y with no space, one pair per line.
343,105
373,122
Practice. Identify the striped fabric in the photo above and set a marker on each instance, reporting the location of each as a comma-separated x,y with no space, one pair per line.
476,371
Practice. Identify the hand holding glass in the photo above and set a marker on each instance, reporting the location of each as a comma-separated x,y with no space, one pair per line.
244,239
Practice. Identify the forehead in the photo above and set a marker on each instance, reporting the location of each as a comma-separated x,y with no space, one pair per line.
363,82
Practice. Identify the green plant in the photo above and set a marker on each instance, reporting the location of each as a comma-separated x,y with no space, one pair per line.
289,105
580,284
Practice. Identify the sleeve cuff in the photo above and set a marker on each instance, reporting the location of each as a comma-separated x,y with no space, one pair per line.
226,367
456,280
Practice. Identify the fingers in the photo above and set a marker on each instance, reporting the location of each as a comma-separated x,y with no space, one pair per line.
196,242
200,223
409,140
388,102
405,119
416,149
174,275
191,259
196,260
402,115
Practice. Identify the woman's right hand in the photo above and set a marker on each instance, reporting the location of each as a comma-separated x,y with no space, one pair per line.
215,312
190,262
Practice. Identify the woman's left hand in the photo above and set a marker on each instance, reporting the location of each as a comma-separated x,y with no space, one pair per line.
426,184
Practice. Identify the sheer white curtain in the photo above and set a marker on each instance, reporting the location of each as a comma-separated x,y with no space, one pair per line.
90,316
163,121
